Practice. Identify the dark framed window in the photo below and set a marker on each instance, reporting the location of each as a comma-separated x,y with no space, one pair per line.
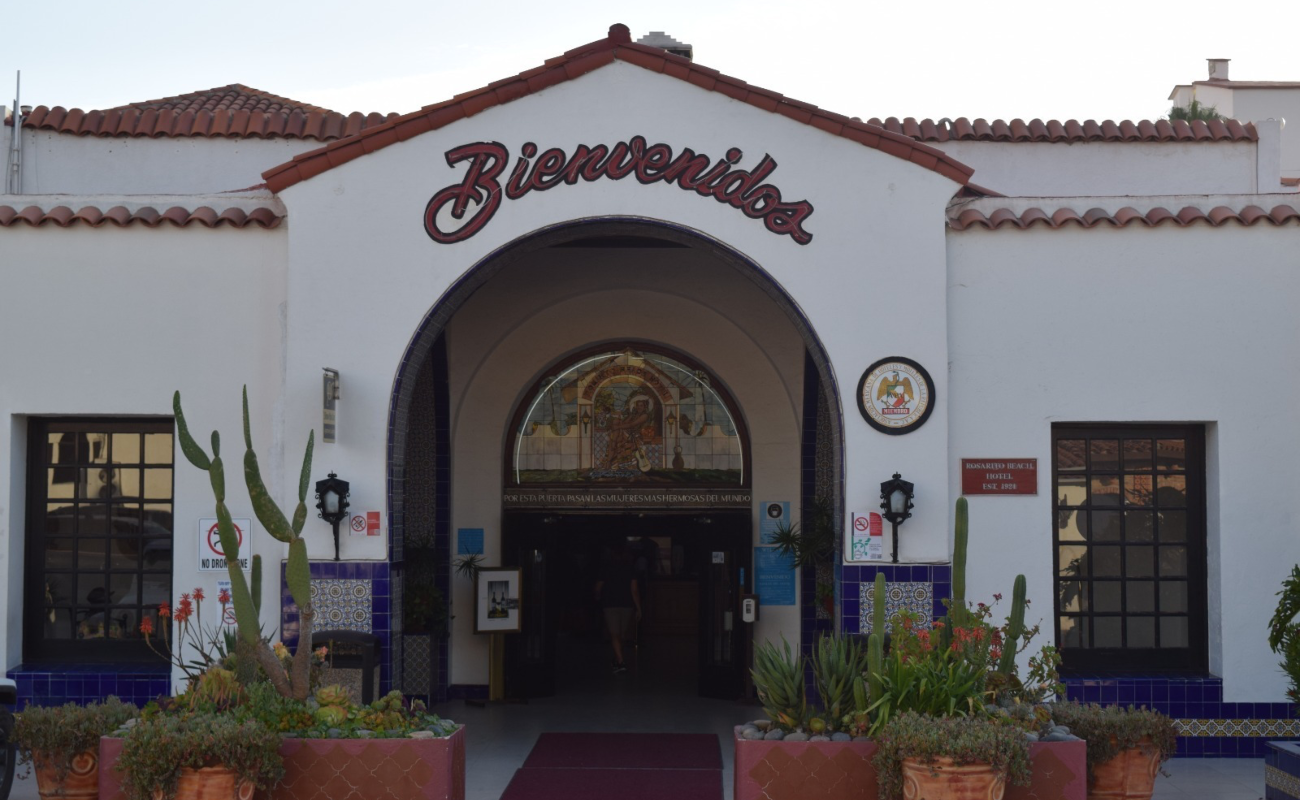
99,537
1129,542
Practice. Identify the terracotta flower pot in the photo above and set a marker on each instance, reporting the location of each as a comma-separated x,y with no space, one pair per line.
1131,775
210,783
944,780
82,782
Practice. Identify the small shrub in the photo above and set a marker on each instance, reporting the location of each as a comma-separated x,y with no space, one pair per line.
159,746
56,734
966,740
1110,730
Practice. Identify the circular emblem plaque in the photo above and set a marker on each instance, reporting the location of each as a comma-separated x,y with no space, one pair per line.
896,395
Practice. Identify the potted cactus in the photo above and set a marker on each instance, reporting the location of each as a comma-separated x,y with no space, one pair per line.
960,667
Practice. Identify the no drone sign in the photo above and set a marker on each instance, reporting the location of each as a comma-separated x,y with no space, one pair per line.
211,557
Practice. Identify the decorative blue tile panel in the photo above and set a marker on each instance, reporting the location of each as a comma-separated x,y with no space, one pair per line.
914,596
349,577
342,605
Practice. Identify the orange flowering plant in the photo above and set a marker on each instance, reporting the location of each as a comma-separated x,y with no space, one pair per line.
211,644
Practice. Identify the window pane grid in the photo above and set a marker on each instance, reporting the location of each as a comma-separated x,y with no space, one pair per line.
102,538
1121,509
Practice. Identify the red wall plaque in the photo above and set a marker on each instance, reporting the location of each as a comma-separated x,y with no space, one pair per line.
999,476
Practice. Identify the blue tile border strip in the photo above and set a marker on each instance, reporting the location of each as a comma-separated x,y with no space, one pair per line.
56,684
1208,727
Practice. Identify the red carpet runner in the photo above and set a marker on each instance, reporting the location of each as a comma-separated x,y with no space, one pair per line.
626,766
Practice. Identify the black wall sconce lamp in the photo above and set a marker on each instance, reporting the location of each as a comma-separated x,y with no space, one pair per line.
332,502
896,501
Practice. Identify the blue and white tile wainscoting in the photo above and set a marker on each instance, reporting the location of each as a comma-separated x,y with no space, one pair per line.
1282,771
348,595
56,684
1207,726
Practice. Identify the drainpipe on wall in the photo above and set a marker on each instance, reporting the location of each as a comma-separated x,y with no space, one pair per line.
14,175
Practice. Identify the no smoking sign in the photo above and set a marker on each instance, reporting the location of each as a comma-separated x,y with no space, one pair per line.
366,524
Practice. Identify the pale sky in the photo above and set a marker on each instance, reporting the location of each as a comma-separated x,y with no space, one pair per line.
993,59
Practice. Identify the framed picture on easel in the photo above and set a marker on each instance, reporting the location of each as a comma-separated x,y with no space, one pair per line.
496,600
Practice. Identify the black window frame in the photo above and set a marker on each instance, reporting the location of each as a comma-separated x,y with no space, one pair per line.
37,648
1193,659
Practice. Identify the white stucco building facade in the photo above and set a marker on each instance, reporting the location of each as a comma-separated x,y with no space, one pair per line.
539,262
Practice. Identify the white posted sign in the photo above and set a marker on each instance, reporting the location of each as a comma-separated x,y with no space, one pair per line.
211,559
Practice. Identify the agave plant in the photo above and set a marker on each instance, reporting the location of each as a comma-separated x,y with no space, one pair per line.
778,676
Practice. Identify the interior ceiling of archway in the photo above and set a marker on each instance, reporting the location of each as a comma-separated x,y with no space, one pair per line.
559,300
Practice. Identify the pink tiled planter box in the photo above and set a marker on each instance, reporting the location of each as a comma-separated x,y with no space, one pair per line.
843,771
345,769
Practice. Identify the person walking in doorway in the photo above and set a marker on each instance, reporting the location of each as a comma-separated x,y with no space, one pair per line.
619,597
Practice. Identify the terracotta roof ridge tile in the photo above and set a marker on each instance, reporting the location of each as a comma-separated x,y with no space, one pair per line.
967,214
62,215
232,111
579,61
1069,130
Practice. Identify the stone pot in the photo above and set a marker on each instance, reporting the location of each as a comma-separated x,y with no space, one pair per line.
210,783
942,779
82,782
1131,775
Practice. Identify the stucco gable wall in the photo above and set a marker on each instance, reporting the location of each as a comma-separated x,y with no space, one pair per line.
878,220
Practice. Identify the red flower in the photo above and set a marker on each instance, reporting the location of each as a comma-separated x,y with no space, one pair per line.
185,597
198,593
223,597
146,626
164,610
185,609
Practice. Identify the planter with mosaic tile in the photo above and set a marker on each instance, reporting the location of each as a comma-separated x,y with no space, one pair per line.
346,769
775,770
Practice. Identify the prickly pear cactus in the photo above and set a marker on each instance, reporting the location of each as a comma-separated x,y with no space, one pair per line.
246,601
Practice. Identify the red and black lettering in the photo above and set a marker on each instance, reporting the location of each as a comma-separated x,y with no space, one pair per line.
651,163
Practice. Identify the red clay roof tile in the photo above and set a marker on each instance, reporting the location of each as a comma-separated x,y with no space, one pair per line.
580,60
962,218
1070,130
234,111
63,216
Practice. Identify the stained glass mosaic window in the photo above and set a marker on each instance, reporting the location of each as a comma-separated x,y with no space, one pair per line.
628,417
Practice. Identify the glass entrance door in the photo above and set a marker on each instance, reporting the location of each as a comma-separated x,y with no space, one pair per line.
688,570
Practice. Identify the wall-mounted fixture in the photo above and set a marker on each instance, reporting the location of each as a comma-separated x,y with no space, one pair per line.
896,502
332,502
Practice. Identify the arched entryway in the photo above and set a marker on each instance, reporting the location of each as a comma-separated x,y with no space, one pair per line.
642,281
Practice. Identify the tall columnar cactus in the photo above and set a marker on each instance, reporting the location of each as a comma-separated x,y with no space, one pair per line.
960,534
879,609
247,604
1015,628
875,667
957,611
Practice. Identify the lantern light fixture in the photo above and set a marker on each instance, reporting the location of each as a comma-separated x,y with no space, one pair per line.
332,503
896,501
